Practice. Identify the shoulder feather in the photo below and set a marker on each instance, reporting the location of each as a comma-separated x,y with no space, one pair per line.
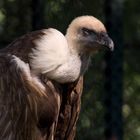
50,52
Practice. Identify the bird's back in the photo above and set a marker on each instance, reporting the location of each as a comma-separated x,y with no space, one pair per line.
23,45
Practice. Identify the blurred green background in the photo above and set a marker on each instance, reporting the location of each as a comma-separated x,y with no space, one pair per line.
18,17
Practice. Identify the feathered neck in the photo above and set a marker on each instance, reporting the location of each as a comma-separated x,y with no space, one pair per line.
78,50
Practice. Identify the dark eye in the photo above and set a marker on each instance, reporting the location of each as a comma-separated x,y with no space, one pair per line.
87,32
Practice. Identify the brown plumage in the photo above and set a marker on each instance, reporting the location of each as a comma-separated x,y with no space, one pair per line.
41,80
25,109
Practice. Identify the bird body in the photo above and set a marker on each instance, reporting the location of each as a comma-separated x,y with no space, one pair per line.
34,70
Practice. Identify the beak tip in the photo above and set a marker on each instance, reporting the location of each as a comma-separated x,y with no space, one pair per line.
111,46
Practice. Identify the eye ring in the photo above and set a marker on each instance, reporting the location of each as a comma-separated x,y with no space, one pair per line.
87,32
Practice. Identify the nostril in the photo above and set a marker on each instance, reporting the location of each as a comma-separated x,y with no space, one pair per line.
102,35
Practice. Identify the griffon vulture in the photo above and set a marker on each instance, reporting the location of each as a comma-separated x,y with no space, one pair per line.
37,72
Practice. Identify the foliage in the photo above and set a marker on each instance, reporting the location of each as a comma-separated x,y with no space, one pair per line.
131,70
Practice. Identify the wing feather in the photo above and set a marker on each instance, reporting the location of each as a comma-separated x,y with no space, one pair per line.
19,96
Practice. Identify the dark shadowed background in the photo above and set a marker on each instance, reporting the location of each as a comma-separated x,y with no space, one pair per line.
111,99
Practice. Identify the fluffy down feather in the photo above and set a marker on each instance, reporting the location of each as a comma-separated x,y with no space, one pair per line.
50,52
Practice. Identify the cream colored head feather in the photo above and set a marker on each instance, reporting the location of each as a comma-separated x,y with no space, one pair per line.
89,22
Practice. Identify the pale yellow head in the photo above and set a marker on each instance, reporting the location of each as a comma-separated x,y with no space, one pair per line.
88,33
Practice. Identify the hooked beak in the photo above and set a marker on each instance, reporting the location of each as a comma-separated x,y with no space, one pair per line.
98,41
106,41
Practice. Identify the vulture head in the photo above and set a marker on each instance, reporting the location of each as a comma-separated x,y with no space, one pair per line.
87,33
